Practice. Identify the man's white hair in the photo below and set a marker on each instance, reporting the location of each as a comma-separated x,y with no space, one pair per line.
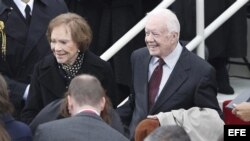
171,19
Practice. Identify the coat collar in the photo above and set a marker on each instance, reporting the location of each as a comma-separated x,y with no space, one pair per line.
45,2
49,69
81,114
3,7
88,55
38,26
145,79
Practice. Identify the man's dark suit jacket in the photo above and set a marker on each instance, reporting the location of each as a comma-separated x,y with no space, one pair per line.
17,130
52,112
83,126
26,44
48,84
191,83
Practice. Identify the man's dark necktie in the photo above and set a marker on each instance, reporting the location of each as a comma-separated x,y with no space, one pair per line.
27,13
154,83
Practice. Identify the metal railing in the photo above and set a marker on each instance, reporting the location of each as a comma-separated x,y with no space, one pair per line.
216,23
197,41
130,34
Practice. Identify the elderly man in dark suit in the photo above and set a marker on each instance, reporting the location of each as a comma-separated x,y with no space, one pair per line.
86,99
25,23
184,79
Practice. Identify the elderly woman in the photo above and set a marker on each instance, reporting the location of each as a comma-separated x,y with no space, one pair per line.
69,36
16,130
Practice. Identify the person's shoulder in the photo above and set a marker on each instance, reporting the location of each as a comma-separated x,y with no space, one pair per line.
51,2
5,10
59,124
140,53
143,50
48,60
54,6
115,135
197,64
19,129
55,124
21,126
197,60
107,132
3,6
93,58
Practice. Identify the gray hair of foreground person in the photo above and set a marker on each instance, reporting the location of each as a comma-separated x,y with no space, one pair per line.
85,91
168,133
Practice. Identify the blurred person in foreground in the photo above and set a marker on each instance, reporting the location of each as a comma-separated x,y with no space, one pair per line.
86,100
168,133
16,130
201,124
58,109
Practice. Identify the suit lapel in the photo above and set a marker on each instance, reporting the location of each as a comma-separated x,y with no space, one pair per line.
52,80
15,24
3,7
37,28
144,76
140,62
177,78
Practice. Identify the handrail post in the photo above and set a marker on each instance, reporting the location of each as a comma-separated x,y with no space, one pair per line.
217,23
200,27
224,16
